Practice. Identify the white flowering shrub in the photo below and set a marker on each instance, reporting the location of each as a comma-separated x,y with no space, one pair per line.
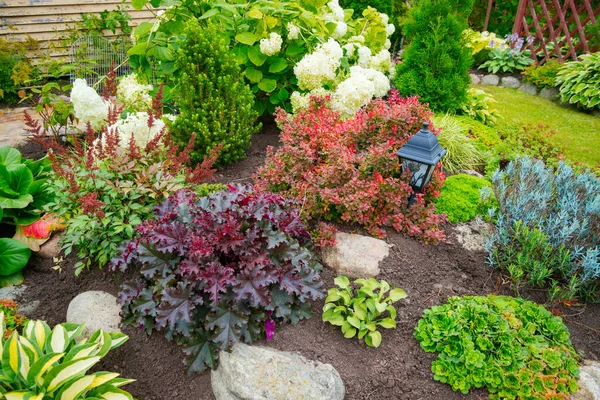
134,95
88,105
286,49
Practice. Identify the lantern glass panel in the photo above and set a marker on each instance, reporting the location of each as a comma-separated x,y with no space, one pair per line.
421,173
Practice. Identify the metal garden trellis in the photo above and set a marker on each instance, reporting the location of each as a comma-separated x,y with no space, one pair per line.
555,25
98,55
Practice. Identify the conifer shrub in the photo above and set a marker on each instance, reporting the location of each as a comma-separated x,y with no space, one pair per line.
384,6
214,102
464,197
436,60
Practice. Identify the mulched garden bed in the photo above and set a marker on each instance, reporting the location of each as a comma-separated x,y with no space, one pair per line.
398,369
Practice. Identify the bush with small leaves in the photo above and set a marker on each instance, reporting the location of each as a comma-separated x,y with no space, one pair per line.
214,102
219,269
360,312
464,197
513,347
542,76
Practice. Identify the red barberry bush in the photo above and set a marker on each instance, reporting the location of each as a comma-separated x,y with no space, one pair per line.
219,269
347,170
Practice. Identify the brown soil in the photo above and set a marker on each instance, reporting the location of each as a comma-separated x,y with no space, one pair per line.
398,369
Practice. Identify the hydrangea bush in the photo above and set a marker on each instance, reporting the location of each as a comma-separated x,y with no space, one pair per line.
219,269
564,207
269,39
347,170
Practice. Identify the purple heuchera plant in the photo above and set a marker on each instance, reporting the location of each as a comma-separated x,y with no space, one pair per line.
219,269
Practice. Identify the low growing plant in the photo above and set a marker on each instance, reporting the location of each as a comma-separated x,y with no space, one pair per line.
359,313
511,57
513,347
44,363
542,76
579,81
346,170
12,318
464,197
479,106
462,151
564,207
219,269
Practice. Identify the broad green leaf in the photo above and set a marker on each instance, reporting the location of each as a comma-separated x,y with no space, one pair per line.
248,38
64,372
253,75
241,54
40,367
278,65
294,49
350,332
72,390
283,94
11,360
138,4
342,282
100,378
13,256
354,321
164,53
255,13
209,13
9,156
256,57
117,339
58,340
373,339
397,294
12,280
139,49
387,323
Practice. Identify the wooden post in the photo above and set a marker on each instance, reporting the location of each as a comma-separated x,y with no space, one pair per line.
487,15
520,18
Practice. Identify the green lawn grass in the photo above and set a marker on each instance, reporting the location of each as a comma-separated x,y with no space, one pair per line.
578,133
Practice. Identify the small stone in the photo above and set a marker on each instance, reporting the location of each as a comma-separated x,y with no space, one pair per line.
491,79
472,173
13,293
552,94
355,256
257,373
510,82
464,276
95,309
30,308
51,248
438,286
475,79
589,381
528,88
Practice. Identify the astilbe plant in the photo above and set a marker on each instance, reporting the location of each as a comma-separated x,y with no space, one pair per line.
104,187
219,269
347,171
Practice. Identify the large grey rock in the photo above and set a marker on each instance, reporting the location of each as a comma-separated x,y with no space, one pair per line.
355,256
550,93
589,381
95,309
528,88
510,82
475,79
257,373
471,235
13,293
491,79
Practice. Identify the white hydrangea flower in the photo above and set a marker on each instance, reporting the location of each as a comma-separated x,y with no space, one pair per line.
133,94
364,56
293,31
137,124
88,105
390,29
357,39
387,44
381,84
169,117
358,90
319,66
349,47
299,101
340,30
272,45
337,11
381,61
384,18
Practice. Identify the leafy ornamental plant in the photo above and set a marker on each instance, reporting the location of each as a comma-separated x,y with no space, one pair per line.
464,197
579,81
561,209
104,187
347,171
214,102
219,269
462,150
12,318
542,76
513,347
267,39
479,105
511,57
51,364
436,60
360,313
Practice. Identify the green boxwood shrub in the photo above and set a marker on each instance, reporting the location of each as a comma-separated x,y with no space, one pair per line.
462,198
214,102
515,348
436,61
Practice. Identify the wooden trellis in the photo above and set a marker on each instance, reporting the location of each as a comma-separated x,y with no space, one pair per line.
561,24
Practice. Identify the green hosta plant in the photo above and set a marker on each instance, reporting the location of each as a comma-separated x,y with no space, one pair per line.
51,364
479,106
515,348
580,81
360,313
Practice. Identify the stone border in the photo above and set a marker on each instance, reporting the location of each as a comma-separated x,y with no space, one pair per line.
514,82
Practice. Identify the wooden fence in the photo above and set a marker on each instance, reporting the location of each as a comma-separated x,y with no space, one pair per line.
47,20
559,29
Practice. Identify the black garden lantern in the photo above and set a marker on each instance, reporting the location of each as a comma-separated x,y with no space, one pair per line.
420,155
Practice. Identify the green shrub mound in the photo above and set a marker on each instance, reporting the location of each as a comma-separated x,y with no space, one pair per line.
542,76
513,347
464,197
436,61
214,102
579,81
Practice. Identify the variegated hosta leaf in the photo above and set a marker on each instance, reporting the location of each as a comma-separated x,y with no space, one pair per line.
76,387
11,361
64,372
109,392
40,367
58,340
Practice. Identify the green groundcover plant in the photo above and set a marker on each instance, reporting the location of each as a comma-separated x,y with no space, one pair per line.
542,76
515,348
464,197
360,312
